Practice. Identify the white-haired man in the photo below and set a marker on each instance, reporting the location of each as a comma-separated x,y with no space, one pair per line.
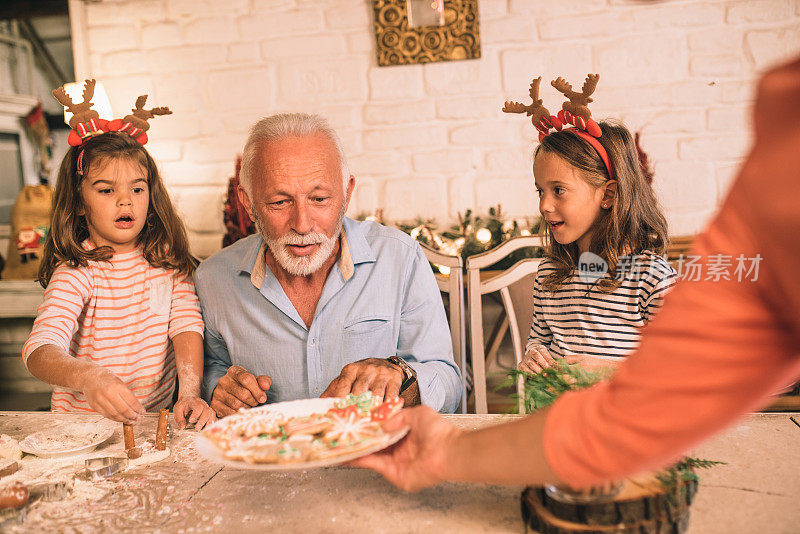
316,304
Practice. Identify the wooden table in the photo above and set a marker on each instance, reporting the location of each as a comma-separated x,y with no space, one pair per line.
758,491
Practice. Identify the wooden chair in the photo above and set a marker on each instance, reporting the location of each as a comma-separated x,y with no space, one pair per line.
678,246
515,285
453,286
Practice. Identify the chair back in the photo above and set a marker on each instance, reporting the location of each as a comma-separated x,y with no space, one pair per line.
452,285
515,286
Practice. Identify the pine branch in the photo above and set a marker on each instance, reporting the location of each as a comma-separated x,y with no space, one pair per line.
697,463
672,479
543,388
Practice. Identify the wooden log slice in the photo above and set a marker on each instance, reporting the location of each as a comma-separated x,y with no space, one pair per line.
642,507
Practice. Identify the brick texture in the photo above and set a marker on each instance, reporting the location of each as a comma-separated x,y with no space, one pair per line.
431,140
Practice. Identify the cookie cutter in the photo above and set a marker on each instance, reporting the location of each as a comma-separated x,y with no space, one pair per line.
50,491
100,468
13,516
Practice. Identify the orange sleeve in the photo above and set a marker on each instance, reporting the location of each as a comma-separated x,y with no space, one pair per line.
717,349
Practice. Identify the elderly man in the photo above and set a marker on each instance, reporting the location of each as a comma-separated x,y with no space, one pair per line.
316,304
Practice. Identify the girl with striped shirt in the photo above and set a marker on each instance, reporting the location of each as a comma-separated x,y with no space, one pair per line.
120,320
604,275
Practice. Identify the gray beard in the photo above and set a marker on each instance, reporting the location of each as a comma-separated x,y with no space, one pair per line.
301,265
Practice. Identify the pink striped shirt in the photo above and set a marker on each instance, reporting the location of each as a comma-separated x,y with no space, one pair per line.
121,314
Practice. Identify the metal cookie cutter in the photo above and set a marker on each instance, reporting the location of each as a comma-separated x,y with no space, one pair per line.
11,516
100,468
50,491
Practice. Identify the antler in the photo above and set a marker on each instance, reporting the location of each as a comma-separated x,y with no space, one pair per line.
161,111
575,98
88,90
514,107
563,87
534,107
145,114
540,116
577,106
534,92
63,98
590,85
140,103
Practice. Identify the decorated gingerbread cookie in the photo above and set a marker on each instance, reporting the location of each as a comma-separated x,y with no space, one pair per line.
260,435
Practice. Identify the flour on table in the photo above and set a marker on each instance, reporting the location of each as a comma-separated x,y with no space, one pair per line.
65,438
150,458
9,448
150,455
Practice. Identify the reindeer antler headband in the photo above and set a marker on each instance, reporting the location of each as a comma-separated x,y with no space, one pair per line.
575,112
86,122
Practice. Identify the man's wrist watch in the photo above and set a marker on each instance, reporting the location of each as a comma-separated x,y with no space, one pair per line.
409,374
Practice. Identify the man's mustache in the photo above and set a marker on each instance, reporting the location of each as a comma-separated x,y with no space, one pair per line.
293,238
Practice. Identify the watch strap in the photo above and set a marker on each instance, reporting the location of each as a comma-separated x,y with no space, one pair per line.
409,374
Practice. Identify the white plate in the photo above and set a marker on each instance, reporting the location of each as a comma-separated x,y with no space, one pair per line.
66,440
297,408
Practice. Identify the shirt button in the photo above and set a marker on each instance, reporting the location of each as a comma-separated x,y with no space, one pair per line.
313,341
316,390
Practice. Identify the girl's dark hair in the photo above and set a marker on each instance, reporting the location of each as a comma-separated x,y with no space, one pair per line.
634,223
163,238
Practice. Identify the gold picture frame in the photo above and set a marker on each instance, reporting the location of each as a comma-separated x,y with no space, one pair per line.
399,44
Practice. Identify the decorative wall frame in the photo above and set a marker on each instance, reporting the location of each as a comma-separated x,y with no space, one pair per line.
400,44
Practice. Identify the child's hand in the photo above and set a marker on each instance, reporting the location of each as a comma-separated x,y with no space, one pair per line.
202,414
109,395
594,364
536,360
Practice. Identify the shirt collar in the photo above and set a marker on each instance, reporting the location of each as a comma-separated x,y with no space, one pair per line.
354,249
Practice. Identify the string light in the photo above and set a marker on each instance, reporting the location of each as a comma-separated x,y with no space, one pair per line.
472,234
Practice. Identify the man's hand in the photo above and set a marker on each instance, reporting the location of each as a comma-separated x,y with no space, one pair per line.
381,377
419,460
109,395
239,389
201,413
536,360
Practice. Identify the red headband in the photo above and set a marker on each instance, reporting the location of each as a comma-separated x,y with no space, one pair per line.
575,112
86,122
601,151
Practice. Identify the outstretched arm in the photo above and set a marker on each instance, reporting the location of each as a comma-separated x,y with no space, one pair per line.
435,451
104,392
46,357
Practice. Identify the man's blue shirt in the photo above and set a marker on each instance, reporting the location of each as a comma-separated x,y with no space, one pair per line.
380,300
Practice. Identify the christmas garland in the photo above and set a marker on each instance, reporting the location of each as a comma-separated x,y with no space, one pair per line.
473,234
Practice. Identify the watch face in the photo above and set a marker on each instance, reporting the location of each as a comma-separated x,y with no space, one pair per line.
408,371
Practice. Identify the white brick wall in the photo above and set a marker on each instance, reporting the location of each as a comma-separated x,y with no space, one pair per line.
430,140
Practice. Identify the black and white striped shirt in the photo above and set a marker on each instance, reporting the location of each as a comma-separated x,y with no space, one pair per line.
579,319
